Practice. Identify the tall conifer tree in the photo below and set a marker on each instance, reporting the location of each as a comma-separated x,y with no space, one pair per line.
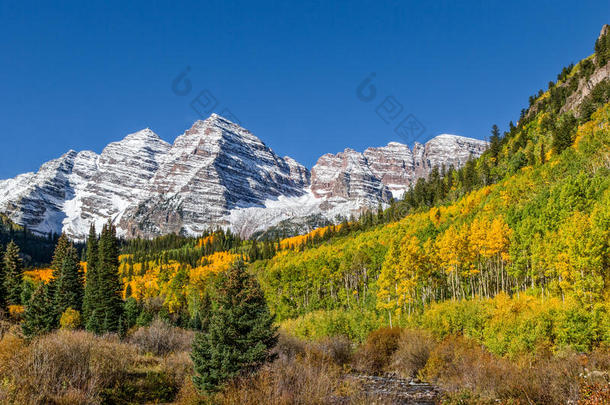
39,312
58,255
13,274
69,285
239,334
2,289
92,278
109,306
56,263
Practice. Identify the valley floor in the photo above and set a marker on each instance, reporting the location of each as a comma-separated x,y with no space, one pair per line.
152,364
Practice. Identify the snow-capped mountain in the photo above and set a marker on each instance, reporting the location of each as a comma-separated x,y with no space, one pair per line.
215,174
214,167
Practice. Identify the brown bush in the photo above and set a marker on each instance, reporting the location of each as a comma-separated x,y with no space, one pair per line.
595,394
188,394
161,338
288,346
5,326
414,347
63,367
375,355
458,364
301,380
599,359
178,367
337,350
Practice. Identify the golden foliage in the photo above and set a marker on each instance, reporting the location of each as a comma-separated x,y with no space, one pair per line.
70,319
296,241
174,281
37,275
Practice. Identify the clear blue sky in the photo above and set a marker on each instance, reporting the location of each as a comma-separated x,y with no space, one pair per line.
82,74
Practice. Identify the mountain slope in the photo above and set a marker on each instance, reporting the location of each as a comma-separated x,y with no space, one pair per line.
215,174
212,168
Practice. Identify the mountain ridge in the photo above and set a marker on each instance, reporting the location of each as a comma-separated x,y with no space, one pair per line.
214,174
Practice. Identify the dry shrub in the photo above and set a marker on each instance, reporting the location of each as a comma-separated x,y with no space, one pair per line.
302,380
4,327
303,373
8,327
599,359
289,346
458,364
414,347
161,338
595,394
12,358
63,367
178,367
375,354
337,350
188,394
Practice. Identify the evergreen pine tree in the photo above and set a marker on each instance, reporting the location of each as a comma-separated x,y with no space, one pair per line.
13,274
563,135
494,143
240,333
254,253
91,285
69,285
39,315
59,255
2,289
109,305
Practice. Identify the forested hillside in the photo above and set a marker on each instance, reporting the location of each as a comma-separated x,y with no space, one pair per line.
529,218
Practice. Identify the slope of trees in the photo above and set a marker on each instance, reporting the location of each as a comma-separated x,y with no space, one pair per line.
543,230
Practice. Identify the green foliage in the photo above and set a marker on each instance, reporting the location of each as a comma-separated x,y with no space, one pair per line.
39,317
520,324
92,278
563,135
495,144
240,333
69,284
602,49
131,312
27,289
356,325
13,274
2,288
70,319
37,249
109,304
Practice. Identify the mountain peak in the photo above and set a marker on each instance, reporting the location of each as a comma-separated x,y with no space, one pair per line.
145,134
219,119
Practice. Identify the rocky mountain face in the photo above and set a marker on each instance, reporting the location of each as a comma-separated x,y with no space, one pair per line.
212,168
580,87
378,174
215,174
